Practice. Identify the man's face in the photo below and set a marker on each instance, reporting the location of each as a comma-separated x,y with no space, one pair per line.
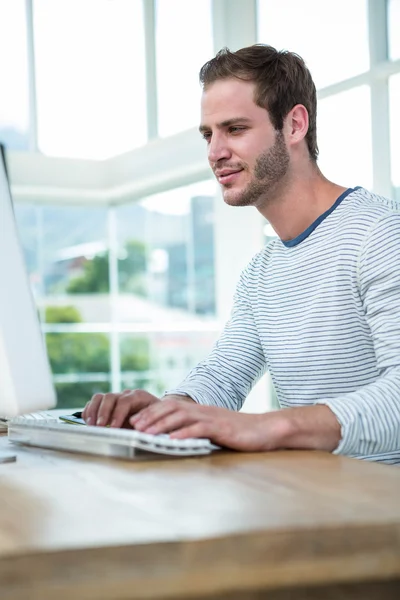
248,156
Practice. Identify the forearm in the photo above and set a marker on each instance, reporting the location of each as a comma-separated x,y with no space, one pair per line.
177,397
236,362
309,428
216,382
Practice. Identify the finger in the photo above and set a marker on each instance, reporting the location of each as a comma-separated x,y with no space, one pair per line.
90,412
195,430
171,422
105,409
149,415
84,412
129,403
123,408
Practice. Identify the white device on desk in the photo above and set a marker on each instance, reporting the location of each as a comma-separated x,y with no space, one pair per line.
25,378
105,441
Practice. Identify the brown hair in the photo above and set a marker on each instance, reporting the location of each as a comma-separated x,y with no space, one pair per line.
282,81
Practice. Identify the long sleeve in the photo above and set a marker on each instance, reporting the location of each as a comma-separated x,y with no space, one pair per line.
370,416
234,365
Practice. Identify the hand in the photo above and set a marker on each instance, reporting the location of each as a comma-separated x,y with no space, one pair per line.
238,431
115,409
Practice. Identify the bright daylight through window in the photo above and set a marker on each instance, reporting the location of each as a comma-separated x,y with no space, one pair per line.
14,111
179,58
132,254
90,77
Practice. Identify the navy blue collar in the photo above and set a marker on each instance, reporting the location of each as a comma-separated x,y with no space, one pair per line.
302,236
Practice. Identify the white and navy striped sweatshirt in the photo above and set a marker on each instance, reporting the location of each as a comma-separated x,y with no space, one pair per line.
321,312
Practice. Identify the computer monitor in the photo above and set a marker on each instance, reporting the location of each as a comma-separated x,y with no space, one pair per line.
25,378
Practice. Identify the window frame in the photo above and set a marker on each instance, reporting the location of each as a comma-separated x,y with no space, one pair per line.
181,160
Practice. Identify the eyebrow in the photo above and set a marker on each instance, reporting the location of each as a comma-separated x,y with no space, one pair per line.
227,123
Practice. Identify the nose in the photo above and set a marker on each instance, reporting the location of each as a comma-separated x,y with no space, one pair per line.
218,149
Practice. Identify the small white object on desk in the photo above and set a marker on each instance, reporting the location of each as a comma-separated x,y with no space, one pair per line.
105,441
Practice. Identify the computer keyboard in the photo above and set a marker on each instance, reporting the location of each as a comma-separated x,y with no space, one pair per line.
41,415
123,443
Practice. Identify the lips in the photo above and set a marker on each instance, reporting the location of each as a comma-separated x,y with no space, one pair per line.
225,176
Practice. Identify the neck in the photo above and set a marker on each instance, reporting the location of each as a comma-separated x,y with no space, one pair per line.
299,201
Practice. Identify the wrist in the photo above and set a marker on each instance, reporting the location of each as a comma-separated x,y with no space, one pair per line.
310,428
281,430
177,397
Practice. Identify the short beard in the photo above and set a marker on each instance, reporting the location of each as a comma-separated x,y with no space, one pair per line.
269,172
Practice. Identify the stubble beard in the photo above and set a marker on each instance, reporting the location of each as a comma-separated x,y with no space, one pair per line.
270,171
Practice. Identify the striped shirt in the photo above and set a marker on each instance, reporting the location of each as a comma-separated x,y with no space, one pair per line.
321,312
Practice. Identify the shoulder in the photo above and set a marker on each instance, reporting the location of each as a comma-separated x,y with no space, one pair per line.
366,206
380,247
359,215
380,216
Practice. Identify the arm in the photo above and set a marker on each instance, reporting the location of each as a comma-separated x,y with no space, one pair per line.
363,422
314,427
224,379
370,417
235,364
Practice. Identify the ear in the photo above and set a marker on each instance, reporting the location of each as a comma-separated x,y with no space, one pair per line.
296,124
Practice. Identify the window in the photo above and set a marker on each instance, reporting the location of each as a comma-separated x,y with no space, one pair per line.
61,243
394,95
344,137
164,305
14,107
90,72
394,28
183,45
160,360
81,365
67,261
332,37
167,258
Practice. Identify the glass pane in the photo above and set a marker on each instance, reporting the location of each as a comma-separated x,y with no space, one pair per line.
90,73
136,372
14,108
66,253
183,45
158,361
67,261
394,95
75,353
344,137
75,395
80,363
166,305
166,266
319,38
394,28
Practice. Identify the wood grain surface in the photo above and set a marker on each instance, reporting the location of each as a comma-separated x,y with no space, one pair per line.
226,526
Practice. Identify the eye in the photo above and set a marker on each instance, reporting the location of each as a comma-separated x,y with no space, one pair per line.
206,135
236,129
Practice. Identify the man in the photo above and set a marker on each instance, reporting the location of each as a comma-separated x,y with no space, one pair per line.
319,307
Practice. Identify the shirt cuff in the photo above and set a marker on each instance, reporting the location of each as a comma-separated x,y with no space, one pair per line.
349,423
194,394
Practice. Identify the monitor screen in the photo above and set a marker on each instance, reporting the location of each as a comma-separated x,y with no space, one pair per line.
25,377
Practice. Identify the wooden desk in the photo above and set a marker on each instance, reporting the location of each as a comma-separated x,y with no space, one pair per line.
286,525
